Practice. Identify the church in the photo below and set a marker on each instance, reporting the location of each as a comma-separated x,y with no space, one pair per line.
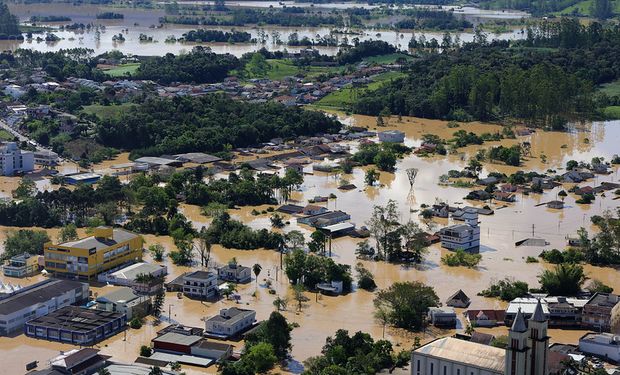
526,354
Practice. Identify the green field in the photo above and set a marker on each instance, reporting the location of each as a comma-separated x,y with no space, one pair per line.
6,136
104,111
285,68
585,7
612,112
122,70
612,88
345,97
387,59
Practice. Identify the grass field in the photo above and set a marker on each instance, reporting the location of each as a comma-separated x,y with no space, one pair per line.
6,136
285,68
612,88
585,7
105,111
612,112
345,97
122,70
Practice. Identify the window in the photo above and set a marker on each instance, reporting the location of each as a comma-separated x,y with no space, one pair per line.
432,368
445,370
458,371
418,366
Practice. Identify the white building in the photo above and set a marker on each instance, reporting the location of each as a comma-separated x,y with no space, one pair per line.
604,345
46,157
230,322
125,301
128,276
37,300
462,236
235,273
14,91
14,160
200,284
526,354
392,136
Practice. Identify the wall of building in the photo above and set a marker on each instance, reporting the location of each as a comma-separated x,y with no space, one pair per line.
611,352
424,365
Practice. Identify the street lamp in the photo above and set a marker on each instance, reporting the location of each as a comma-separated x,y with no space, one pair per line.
169,313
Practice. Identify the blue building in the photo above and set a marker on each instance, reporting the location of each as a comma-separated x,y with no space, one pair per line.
76,325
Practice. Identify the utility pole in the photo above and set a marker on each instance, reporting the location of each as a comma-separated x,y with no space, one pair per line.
533,235
169,313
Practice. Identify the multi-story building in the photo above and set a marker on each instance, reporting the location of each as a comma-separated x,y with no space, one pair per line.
596,313
87,257
603,345
37,300
125,301
235,273
76,325
230,322
22,265
462,236
200,284
13,160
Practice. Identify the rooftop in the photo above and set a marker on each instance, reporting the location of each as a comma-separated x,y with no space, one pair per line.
98,243
231,314
122,294
38,293
177,338
604,300
470,353
132,271
77,319
205,275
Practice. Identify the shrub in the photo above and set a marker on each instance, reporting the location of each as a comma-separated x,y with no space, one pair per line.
461,258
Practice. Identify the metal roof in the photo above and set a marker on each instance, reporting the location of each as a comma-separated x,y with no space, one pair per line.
338,227
476,355
119,235
177,338
37,293
132,271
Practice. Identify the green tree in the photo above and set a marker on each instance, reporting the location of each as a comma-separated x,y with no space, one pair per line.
371,177
602,9
280,303
365,278
24,241
103,371
145,351
275,331
67,233
26,187
158,304
261,357
299,296
155,370
257,268
317,242
157,250
564,279
385,161
407,303
258,65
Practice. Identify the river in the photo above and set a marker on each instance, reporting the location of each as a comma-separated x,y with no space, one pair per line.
140,21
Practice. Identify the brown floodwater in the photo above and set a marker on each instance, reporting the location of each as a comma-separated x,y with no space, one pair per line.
323,316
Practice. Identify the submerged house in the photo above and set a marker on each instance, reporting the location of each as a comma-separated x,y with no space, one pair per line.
462,236
458,299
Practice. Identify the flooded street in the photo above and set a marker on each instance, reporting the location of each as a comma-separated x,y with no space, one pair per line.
323,315
139,21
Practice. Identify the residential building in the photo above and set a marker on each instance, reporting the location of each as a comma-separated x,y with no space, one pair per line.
14,91
22,265
235,272
462,236
200,284
87,257
332,288
602,345
13,160
391,136
37,300
230,322
504,196
84,361
313,209
76,325
442,316
527,353
558,205
130,276
174,342
485,318
596,313
441,210
458,299
125,301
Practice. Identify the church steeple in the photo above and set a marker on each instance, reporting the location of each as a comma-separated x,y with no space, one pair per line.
538,341
517,351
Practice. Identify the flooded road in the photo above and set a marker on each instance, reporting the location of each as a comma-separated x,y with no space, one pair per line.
322,316
138,22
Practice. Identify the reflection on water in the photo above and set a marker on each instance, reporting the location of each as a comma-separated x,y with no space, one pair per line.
140,22
322,316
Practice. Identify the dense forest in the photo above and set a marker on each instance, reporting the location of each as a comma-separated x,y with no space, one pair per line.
76,62
199,66
364,49
206,123
601,9
489,81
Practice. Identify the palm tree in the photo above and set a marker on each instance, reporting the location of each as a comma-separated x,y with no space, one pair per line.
103,371
280,303
256,268
564,279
